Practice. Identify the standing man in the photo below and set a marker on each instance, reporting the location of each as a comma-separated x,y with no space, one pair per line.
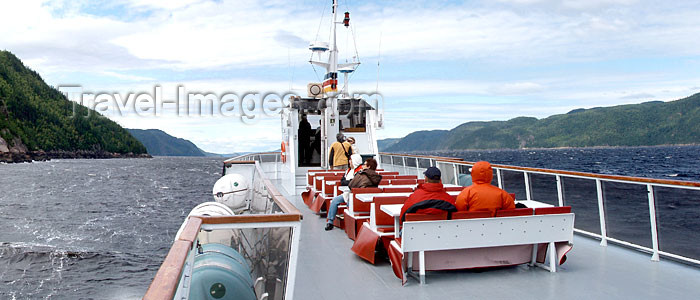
481,195
339,154
304,133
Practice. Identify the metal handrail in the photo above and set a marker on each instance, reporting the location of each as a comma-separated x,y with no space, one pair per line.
650,183
165,283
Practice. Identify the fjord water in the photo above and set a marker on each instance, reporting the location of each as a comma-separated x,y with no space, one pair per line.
662,162
81,229
99,229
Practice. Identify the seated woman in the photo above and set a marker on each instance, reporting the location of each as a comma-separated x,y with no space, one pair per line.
365,176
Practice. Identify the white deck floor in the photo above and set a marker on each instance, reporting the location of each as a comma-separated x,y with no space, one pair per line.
327,269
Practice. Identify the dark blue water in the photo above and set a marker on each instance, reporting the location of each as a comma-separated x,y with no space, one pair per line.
626,205
99,229
93,229
663,162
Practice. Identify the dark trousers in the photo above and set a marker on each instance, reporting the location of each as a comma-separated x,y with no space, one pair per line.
305,152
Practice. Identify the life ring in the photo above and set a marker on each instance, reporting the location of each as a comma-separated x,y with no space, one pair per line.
283,152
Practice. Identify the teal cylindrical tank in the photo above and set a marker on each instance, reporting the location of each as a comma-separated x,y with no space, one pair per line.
221,273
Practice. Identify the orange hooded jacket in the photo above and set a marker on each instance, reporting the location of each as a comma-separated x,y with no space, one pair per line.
481,195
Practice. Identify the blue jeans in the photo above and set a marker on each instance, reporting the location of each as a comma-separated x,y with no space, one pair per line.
333,210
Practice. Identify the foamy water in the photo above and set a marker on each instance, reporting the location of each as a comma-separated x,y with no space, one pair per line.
80,229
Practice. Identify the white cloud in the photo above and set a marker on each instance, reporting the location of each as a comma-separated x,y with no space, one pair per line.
534,54
127,76
517,88
188,34
172,4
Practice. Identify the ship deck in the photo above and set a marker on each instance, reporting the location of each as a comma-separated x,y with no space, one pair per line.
327,269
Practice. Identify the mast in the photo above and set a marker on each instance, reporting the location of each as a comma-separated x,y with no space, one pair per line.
329,87
333,59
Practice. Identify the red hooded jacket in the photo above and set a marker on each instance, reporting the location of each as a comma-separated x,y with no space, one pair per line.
429,198
481,195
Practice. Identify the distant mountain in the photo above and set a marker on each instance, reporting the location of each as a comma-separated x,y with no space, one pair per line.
38,122
645,124
385,143
229,155
160,143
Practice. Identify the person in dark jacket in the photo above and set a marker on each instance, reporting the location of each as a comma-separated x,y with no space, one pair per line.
429,197
366,177
304,134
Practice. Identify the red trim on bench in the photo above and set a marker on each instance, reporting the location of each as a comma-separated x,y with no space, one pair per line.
403,181
359,206
383,218
463,215
454,188
514,212
426,217
552,210
318,204
365,244
397,262
397,190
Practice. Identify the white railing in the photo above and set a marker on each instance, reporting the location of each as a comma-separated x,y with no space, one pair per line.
629,211
266,234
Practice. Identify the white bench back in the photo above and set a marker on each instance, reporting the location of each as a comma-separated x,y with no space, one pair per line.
487,232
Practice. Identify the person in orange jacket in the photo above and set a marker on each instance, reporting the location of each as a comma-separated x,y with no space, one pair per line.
481,195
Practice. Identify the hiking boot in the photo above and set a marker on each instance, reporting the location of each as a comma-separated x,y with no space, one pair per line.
329,226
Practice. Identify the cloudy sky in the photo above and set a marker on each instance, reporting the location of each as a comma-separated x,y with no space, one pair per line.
441,63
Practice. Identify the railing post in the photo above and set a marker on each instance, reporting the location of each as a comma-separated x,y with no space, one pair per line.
499,178
560,191
403,162
454,167
601,213
527,186
293,258
418,173
652,220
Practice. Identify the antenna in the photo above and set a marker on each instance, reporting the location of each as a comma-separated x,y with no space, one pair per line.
289,66
379,56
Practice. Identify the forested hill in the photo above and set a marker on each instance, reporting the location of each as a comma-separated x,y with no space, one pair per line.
35,117
645,124
162,144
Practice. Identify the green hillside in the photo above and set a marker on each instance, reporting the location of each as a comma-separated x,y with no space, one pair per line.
38,116
645,124
162,144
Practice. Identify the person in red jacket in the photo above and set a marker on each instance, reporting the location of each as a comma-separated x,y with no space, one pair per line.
429,197
481,195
